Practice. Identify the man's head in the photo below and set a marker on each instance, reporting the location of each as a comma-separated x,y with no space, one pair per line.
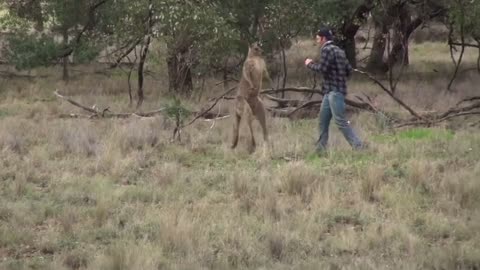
323,35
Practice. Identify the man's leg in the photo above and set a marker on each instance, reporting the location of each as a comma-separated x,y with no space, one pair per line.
324,119
337,103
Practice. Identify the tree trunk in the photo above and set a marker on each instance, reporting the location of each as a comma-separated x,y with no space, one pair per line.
405,27
350,29
350,51
179,73
285,67
399,53
129,81
376,63
141,67
65,76
143,55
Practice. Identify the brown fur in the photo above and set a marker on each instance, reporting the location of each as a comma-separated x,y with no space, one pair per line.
248,103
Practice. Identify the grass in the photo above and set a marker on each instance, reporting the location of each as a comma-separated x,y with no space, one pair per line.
116,194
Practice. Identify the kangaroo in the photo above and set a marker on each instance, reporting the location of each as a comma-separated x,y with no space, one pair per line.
247,102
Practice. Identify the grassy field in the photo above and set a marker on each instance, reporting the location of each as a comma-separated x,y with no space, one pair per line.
116,194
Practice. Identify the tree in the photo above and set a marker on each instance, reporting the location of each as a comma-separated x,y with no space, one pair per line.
72,19
394,22
464,21
195,33
345,17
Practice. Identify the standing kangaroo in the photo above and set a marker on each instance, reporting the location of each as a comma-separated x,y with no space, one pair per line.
247,101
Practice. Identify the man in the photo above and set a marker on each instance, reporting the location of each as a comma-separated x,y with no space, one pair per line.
335,69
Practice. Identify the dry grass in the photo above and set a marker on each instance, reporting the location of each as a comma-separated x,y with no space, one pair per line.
115,194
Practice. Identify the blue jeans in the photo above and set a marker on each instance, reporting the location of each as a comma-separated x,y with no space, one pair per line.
333,105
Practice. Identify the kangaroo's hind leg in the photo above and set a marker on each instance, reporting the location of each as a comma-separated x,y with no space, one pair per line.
237,114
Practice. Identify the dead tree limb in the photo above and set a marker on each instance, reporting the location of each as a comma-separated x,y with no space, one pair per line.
73,102
468,100
105,113
305,105
358,105
292,89
438,117
385,89
282,102
204,112
434,121
457,110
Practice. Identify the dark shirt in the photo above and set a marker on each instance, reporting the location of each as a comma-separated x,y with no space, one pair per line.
334,67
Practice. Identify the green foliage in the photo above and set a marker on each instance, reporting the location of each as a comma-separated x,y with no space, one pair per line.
208,31
10,22
331,12
175,110
466,13
29,51
4,113
424,133
86,52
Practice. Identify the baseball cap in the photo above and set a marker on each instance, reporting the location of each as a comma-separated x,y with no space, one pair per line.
325,32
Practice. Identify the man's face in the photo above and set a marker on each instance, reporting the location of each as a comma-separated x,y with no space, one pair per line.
320,40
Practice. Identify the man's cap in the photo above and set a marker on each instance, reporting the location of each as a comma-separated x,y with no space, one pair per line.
325,32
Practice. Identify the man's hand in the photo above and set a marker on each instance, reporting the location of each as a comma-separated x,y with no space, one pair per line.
308,61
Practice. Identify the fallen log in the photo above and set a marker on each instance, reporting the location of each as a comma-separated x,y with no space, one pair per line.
390,93
105,113
466,107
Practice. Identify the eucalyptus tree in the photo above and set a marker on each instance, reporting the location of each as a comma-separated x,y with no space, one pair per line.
34,33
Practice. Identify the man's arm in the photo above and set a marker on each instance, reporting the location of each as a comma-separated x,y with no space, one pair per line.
325,60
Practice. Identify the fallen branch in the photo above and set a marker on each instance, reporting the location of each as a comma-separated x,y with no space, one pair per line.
106,113
91,110
209,108
385,89
435,117
468,100
217,118
434,121
306,105
457,110
282,102
297,90
358,105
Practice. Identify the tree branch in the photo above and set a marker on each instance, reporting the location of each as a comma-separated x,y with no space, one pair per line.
462,38
204,112
88,25
106,112
464,44
292,89
385,89
126,53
